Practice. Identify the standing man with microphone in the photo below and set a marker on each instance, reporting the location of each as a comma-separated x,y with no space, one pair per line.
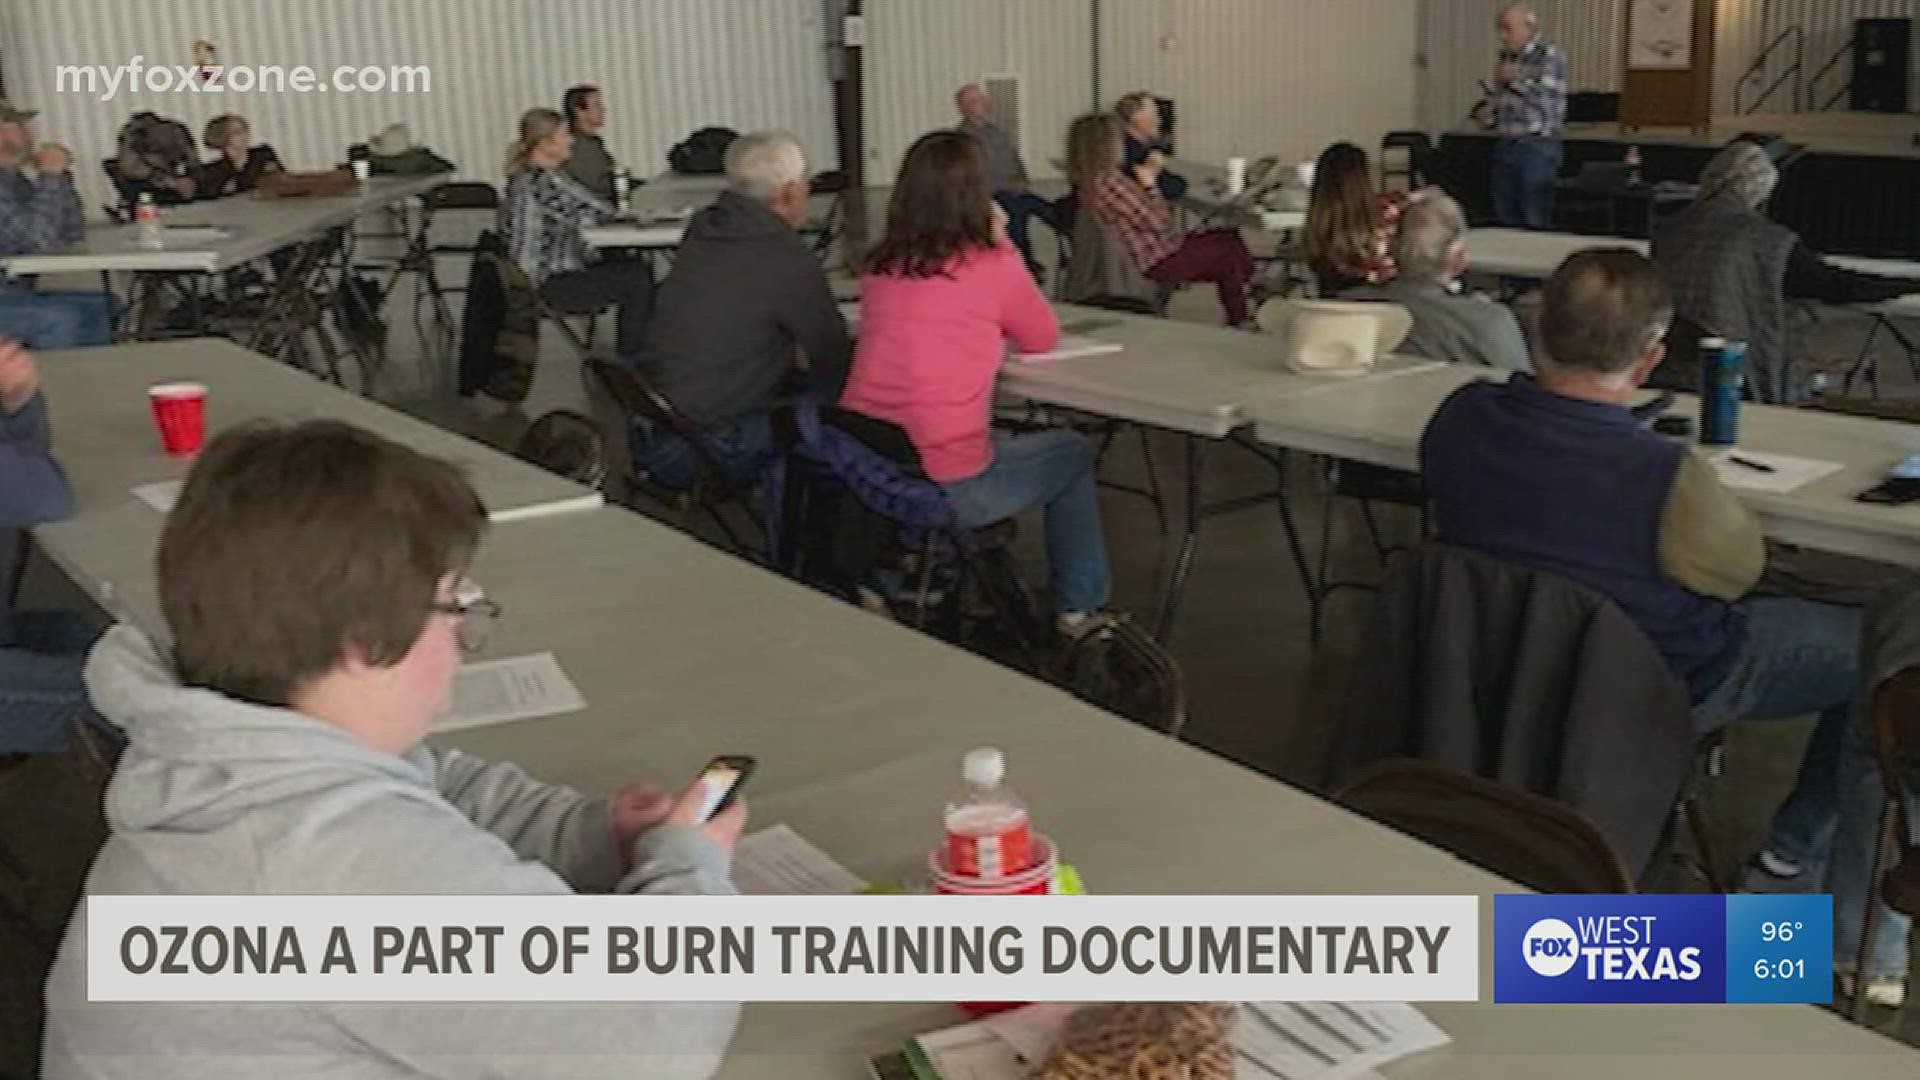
1527,105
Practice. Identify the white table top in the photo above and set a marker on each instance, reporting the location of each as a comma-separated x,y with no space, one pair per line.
254,227
1905,307
859,726
1381,422
1521,253
1170,374
667,214
104,437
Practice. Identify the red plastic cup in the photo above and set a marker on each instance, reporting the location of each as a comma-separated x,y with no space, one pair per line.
1037,880
180,412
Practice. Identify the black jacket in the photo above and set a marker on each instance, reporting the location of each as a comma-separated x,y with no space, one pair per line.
1524,678
745,297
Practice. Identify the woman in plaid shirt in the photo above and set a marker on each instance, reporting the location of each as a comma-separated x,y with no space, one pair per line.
540,220
1131,209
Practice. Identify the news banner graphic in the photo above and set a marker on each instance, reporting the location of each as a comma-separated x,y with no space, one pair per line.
782,948
1672,950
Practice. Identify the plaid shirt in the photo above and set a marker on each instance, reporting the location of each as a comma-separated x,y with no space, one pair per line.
1138,217
38,214
540,219
1534,102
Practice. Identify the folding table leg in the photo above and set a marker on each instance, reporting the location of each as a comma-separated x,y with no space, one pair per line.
1183,564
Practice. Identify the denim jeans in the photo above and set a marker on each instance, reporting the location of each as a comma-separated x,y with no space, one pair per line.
742,447
1022,207
1053,469
53,319
1802,657
1524,172
41,657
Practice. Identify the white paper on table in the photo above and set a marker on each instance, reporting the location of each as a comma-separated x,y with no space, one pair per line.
1071,346
971,1052
777,861
1328,1041
1789,473
519,688
160,496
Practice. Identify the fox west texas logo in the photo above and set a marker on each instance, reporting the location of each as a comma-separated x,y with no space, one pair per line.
1617,947
1608,949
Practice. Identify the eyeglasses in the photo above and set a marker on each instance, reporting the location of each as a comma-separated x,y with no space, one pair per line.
476,613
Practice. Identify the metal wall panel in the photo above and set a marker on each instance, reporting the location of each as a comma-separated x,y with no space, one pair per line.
1254,77
1747,27
668,66
920,51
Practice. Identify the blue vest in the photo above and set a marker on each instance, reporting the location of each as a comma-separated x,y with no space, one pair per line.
1575,488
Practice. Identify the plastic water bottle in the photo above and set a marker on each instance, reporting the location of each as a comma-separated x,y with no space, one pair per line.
1723,373
987,830
1633,165
146,221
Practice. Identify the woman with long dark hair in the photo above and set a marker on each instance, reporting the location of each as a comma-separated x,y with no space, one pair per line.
1130,207
1348,231
940,298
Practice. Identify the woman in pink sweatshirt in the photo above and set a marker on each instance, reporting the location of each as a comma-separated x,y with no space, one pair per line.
942,295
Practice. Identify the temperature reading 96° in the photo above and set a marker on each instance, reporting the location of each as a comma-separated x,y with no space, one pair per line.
1780,931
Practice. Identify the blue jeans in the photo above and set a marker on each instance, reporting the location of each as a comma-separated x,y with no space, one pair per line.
1053,469
54,320
41,657
1524,172
1803,657
742,447
1022,207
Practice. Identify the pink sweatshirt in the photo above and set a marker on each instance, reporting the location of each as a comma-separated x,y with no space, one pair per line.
929,349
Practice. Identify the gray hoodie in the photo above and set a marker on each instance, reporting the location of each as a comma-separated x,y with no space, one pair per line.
217,796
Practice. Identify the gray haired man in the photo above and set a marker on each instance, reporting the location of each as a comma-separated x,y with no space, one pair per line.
1449,322
746,298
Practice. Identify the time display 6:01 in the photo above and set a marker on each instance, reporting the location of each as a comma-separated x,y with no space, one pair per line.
1780,969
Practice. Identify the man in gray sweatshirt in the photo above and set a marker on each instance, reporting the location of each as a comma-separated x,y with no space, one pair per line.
312,578
746,300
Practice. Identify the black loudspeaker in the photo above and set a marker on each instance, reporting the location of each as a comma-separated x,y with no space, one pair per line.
1882,49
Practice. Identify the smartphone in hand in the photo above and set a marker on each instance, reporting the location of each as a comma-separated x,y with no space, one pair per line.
722,780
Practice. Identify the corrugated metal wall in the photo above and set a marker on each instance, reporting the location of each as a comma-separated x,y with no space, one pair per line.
1460,49
920,51
1255,77
669,66
1457,42
1748,26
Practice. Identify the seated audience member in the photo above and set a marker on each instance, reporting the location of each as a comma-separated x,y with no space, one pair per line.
1006,172
240,164
540,221
585,108
1139,116
39,212
942,295
1130,208
746,299
1732,270
156,158
313,577
1553,471
1345,242
41,652
1450,322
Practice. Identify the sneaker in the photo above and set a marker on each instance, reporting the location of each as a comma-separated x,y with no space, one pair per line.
1077,626
1883,991
1770,874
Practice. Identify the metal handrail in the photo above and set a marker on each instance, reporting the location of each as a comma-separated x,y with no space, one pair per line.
1757,71
1813,85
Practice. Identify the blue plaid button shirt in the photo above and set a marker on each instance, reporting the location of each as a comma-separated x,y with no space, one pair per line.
1534,103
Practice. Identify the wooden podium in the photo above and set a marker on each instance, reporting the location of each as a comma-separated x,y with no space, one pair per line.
1668,80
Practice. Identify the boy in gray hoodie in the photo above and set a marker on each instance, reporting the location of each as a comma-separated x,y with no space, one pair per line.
312,579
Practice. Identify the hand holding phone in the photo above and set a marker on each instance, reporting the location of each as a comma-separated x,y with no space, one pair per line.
719,784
